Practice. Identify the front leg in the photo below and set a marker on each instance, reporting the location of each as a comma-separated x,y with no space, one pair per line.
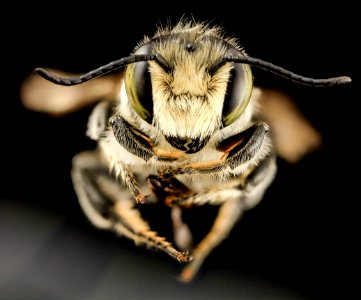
110,207
228,215
233,202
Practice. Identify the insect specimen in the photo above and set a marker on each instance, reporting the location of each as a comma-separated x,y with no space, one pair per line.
182,127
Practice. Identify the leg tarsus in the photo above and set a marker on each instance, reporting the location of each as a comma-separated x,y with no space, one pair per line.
229,213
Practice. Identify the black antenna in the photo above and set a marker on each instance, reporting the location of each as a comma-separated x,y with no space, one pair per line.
94,73
164,64
288,74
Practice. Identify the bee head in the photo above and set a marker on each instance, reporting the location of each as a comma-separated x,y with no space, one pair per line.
189,81
189,92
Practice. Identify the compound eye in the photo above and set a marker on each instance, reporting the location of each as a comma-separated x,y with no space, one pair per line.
138,85
239,90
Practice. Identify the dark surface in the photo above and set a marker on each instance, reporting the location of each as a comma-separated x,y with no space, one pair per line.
299,243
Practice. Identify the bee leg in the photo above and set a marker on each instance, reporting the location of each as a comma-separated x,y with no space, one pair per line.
181,233
168,189
233,202
109,206
229,213
212,197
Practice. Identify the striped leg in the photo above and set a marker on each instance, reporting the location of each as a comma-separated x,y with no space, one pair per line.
108,206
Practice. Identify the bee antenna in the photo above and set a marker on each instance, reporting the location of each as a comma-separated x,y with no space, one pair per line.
94,73
288,74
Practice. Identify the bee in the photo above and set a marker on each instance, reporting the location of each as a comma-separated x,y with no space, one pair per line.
183,128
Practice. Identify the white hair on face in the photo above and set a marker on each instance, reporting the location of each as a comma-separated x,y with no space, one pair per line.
188,101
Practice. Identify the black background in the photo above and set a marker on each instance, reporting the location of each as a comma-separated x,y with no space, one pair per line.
300,238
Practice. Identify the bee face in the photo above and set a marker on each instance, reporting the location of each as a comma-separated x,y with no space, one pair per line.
192,94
